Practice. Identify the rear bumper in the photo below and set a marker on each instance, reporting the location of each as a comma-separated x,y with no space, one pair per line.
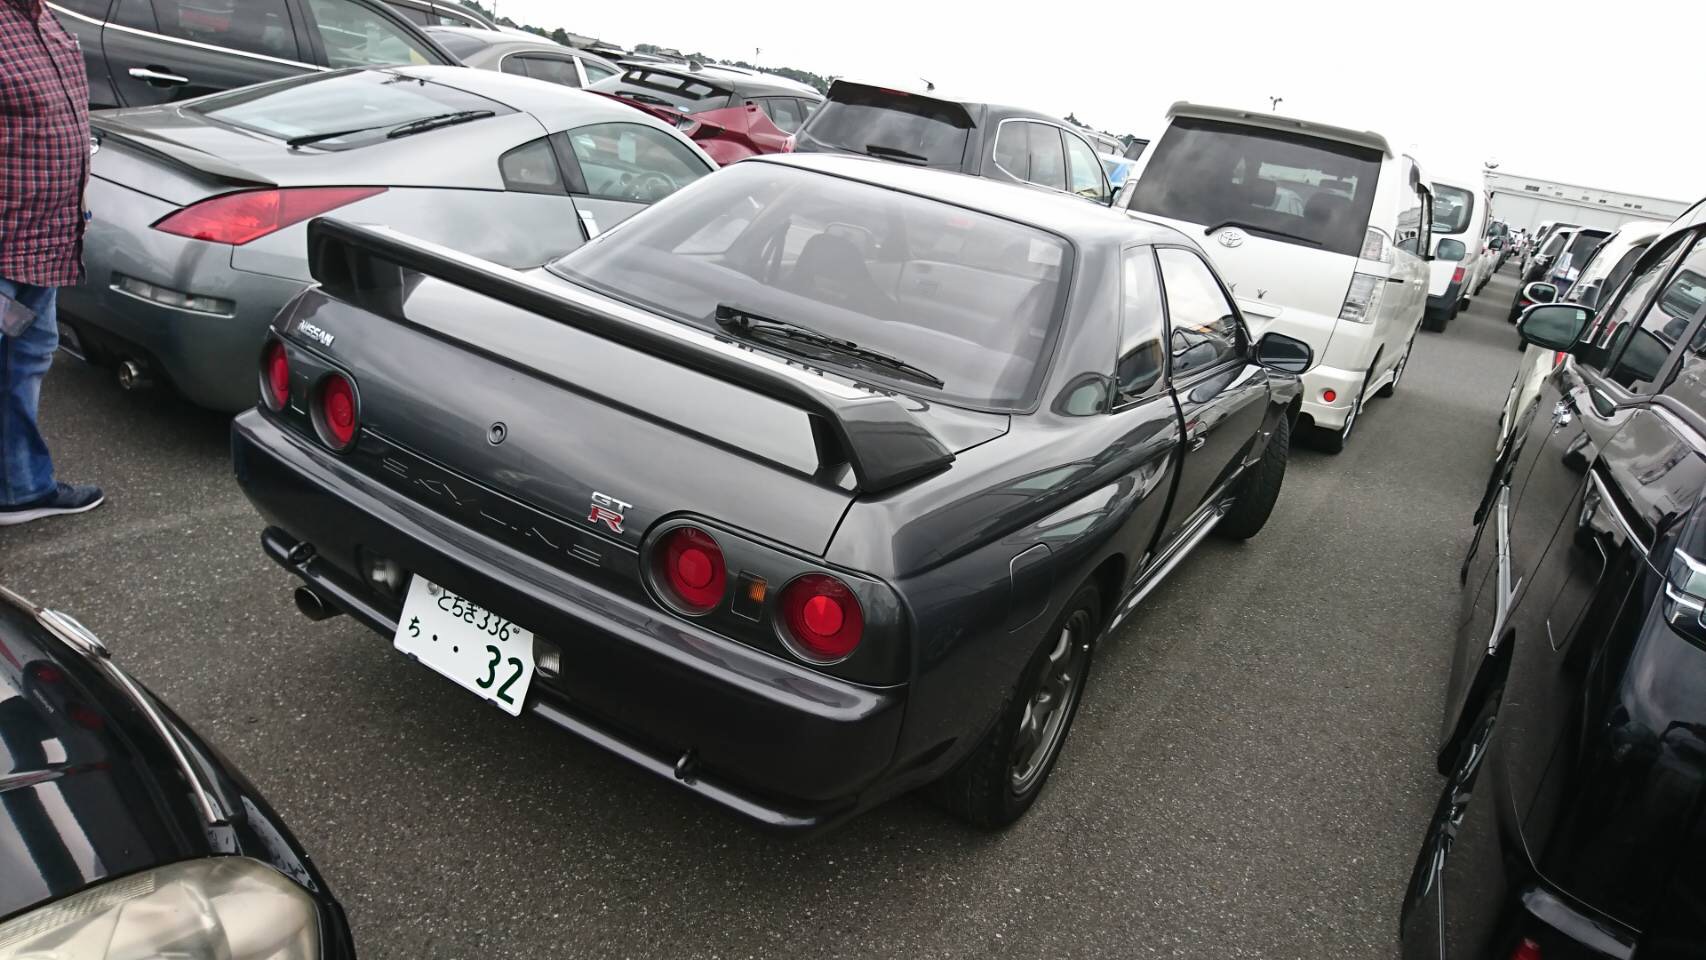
1443,304
770,740
1343,349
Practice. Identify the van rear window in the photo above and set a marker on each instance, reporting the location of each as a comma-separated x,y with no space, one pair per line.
1453,209
1284,186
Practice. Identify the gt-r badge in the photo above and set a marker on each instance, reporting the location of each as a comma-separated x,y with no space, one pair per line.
321,336
608,511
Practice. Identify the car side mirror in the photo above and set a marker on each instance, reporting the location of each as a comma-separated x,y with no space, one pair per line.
1538,292
1553,326
1276,351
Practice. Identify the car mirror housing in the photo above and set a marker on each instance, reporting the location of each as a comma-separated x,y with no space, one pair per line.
1553,326
1276,351
1539,292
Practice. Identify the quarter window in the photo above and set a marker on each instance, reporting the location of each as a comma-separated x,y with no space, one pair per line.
532,168
595,72
1044,157
1204,323
253,26
1142,325
630,161
784,112
551,70
355,36
1085,171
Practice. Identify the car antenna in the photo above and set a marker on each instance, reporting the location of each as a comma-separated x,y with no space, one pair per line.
928,86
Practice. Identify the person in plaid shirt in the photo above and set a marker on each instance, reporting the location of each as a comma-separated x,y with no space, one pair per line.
44,161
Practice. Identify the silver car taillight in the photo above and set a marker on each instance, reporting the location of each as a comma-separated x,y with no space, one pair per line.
1363,297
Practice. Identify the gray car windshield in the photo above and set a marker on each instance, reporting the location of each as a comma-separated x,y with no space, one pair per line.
1282,186
343,111
971,299
1453,208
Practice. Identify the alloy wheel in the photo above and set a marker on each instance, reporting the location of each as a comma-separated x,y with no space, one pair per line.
1048,705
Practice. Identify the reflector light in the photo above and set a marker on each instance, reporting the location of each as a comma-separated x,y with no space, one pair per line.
1526,950
1329,396
821,618
689,570
275,376
237,218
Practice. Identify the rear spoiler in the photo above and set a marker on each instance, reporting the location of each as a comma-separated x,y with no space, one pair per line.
886,446
176,153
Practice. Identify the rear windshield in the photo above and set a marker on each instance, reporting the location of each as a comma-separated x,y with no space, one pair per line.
664,88
458,43
1581,248
1453,209
1289,187
888,124
970,299
362,105
1451,250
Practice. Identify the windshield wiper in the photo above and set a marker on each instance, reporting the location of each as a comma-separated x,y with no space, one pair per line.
895,153
1250,226
433,123
738,320
306,139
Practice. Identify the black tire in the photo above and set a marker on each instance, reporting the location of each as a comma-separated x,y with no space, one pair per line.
983,790
1391,386
1260,487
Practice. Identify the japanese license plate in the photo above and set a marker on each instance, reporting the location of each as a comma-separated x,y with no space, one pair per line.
485,654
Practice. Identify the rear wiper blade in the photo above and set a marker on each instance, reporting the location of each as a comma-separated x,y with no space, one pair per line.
306,139
433,123
896,153
1253,227
738,320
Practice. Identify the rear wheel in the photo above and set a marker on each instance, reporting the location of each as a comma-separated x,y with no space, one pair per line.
1398,371
1260,487
1001,778
1334,441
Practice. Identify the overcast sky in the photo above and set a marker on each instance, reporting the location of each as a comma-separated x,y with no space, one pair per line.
1454,92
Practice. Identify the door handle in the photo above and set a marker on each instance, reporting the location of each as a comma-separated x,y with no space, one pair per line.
1394,279
154,75
1198,441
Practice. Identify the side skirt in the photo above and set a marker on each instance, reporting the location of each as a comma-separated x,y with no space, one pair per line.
1167,561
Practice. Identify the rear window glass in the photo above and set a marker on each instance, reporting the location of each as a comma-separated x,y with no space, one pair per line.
1449,249
1580,249
889,125
1453,209
458,43
688,94
968,298
1285,186
363,106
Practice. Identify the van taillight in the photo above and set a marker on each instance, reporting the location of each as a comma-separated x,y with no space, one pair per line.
688,570
1457,275
275,376
336,413
821,619
237,218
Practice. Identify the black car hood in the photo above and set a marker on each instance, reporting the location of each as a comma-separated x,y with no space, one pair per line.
90,788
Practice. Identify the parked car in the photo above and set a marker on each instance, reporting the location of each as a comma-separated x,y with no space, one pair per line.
1459,221
854,475
438,13
199,210
537,58
1571,824
144,52
1321,230
981,139
1577,250
732,114
1500,243
122,832
1541,234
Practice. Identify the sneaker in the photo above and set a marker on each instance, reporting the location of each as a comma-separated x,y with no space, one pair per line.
65,498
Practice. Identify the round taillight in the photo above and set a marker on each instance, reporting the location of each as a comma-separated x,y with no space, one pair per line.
275,376
337,411
689,570
821,618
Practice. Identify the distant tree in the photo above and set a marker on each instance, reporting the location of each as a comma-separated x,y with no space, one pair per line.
645,48
475,6
561,36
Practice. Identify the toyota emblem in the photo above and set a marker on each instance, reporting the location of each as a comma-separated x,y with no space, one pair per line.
1231,238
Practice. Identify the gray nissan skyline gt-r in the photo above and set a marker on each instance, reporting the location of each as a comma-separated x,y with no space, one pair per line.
199,209
815,483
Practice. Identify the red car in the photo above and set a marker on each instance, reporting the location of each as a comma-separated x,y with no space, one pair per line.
732,113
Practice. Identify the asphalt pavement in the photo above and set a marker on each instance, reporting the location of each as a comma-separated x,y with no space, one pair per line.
1249,775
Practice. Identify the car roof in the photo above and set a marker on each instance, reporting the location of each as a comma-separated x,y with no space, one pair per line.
1276,121
498,44
1078,219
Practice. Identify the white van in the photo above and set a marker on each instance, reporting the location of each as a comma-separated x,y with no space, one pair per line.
1322,232
1459,220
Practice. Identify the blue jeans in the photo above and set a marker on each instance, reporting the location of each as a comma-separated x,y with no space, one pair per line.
26,470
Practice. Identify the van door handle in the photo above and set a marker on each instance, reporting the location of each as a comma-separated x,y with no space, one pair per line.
156,75
1394,279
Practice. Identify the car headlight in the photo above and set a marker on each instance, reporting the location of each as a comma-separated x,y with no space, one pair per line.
227,907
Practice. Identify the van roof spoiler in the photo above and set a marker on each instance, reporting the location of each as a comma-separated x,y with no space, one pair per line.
1275,121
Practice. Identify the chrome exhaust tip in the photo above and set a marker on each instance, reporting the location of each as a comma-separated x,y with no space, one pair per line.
313,606
133,376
